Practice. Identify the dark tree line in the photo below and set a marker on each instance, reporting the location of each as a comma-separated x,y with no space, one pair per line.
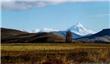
68,37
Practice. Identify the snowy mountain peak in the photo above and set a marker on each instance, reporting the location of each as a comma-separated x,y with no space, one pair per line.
78,24
80,29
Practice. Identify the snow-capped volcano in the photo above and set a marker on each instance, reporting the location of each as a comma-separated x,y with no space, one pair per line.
80,30
77,30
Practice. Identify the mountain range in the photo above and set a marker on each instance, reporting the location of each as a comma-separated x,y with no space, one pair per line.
17,36
78,30
102,36
79,33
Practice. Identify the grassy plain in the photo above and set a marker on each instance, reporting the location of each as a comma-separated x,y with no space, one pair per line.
54,53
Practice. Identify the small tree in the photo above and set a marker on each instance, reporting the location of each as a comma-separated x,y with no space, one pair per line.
68,36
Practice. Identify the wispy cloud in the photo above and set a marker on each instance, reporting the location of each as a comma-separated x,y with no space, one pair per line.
22,5
27,4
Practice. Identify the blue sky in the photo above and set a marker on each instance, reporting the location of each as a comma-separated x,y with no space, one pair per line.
93,15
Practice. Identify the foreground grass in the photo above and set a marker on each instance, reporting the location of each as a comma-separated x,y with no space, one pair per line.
55,53
48,46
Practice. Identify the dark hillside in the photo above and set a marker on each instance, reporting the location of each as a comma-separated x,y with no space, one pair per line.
102,36
16,36
7,33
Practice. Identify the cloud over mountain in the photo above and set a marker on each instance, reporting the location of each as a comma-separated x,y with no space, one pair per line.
27,4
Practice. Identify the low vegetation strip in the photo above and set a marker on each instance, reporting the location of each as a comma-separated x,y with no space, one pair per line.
54,53
47,46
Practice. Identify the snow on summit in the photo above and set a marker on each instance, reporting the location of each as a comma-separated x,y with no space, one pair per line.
80,29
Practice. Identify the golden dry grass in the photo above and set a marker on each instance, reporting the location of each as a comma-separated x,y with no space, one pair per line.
64,53
48,46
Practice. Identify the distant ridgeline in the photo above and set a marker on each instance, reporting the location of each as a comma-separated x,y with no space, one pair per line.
17,36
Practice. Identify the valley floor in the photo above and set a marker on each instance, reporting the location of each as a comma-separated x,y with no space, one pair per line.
54,53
